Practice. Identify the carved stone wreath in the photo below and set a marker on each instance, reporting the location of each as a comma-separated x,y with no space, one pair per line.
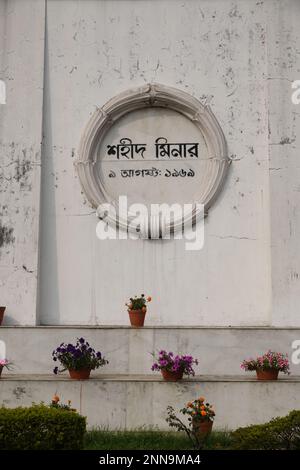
151,95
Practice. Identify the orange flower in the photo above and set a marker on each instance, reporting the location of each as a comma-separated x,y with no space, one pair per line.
203,413
55,399
149,298
202,407
189,404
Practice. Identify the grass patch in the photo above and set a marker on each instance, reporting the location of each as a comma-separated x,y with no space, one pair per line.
150,440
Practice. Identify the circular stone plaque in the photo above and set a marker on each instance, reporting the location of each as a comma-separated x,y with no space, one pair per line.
154,145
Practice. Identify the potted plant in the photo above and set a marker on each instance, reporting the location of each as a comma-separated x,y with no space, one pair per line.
4,363
173,367
78,359
137,308
201,416
2,310
200,421
268,365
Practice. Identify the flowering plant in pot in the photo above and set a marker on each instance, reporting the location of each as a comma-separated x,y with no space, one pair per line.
200,420
137,308
201,416
5,363
78,359
173,367
268,365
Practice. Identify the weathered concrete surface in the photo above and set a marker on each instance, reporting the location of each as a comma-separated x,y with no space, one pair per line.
242,55
284,131
122,402
219,350
22,69
97,49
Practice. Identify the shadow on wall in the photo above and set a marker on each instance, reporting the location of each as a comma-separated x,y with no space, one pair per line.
47,272
9,320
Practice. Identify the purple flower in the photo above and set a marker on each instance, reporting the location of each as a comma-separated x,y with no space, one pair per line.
173,363
78,356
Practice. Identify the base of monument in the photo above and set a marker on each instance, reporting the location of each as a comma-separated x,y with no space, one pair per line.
133,401
220,350
125,394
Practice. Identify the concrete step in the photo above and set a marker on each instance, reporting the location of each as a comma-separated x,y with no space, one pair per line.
132,401
220,350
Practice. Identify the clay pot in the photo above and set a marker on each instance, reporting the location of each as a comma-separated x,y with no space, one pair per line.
82,374
171,376
137,317
2,310
202,428
268,374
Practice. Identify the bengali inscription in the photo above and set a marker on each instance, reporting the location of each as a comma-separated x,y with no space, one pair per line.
154,172
162,151
165,149
126,149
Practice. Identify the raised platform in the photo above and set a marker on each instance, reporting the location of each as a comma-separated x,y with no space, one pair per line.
126,394
220,350
133,401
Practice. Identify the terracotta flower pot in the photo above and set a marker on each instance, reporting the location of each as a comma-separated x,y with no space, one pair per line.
137,317
202,428
2,310
82,374
268,374
171,376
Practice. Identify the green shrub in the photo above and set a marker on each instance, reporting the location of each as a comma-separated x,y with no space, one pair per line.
40,427
278,434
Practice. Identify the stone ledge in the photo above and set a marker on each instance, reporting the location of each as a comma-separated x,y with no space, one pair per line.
131,402
143,378
149,327
220,351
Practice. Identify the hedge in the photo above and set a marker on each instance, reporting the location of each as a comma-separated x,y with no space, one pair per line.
40,428
277,434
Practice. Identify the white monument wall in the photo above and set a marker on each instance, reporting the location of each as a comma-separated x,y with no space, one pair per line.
22,70
219,50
